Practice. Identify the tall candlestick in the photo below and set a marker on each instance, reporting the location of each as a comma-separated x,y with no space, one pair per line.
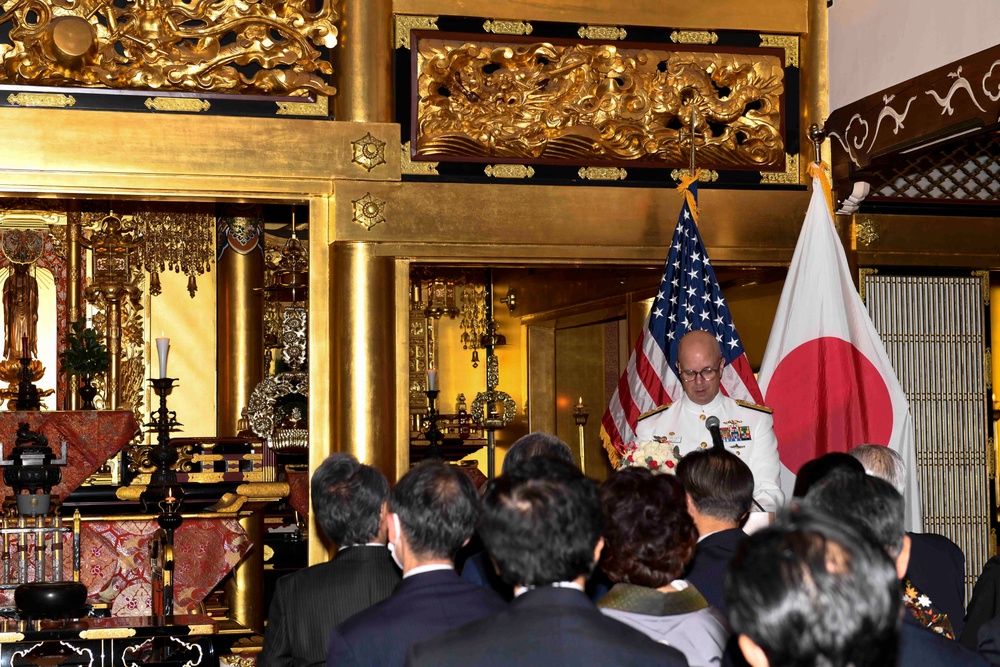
24,347
162,350
432,379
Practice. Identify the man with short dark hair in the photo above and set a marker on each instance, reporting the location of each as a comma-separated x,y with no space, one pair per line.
813,592
719,490
434,509
349,504
937,565
874,507
477,568
542,523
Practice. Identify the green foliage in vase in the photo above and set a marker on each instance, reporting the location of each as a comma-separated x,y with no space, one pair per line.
85,352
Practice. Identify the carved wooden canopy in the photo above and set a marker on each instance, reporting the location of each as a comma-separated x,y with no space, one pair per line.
933,137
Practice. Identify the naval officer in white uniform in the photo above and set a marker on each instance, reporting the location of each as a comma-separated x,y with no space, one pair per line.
747,430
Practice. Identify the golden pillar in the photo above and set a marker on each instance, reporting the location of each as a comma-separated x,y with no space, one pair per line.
320,356
363,62
363,331
113,335
244,589
240,320
74,289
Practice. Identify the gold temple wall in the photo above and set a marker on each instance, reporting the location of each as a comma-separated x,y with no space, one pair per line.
190,324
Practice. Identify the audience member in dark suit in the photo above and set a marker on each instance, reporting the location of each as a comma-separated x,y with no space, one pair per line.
937,565
434,509
719,488
477,568
919,647
816,469
542,524
983,608
349,503
812,591
875,508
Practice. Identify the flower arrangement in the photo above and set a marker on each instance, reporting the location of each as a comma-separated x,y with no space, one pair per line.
657,456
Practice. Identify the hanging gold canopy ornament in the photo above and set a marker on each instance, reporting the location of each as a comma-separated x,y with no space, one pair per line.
179,239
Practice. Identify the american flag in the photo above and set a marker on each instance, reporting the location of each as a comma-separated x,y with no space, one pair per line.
689,298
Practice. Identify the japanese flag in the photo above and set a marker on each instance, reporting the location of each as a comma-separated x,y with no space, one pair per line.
825,372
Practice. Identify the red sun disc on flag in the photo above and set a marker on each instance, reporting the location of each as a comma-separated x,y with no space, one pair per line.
827,397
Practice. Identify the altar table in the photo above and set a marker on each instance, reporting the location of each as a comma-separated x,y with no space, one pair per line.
115,566
108,642
92,437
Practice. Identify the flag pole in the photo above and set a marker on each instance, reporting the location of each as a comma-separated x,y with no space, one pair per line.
693,121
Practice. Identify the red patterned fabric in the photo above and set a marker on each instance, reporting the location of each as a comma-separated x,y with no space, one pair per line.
114,562
92,437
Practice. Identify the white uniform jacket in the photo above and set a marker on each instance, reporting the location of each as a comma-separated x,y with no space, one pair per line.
747,431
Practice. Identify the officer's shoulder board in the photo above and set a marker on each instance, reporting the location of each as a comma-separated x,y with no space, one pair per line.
654,412
752,406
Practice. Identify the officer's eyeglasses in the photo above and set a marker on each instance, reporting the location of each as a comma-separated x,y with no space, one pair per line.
707,374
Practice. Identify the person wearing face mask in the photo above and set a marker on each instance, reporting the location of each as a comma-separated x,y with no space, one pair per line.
349,501
432,514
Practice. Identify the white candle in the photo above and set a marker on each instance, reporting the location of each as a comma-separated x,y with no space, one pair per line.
432,379
162,350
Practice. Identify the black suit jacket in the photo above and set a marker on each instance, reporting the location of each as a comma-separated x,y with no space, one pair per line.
422,606
707,569
919,647
985,603
937,569
545,627
309,603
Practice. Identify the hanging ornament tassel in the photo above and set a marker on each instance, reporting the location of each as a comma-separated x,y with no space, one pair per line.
154,284
192,285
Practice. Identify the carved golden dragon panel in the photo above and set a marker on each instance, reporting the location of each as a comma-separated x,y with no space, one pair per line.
597,103
225,46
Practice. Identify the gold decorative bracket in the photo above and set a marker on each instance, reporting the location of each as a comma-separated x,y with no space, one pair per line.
602,173
369,152
984,277
601,32
508,27
788,177
406,23
790,43
705,175
319,108
862,274
369,211
41,100
408,166
22,219
187,104
108,633
866,232
693,37
509,171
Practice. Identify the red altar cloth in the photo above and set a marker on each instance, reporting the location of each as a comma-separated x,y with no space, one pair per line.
92,437
114,562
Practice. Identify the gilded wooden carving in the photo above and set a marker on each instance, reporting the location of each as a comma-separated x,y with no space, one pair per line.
584,102
227,46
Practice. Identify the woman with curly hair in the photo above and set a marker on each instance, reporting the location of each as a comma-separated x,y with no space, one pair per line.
648,540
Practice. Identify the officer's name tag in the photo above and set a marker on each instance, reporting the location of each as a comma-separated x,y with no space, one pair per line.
668,439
